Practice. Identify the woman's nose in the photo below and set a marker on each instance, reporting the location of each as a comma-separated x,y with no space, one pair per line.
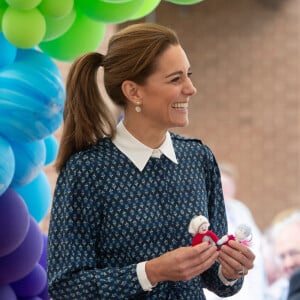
189,88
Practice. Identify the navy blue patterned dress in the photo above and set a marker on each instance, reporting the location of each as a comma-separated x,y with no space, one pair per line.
107,216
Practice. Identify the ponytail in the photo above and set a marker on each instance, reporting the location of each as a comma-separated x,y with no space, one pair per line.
87,117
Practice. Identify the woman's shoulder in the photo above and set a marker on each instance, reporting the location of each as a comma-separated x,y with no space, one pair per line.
192,144
95,152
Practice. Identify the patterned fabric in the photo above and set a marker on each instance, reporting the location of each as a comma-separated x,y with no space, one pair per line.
107,216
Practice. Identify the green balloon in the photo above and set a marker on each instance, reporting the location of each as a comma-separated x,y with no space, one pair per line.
110,12
146,9
56,27
85,35
3,7
184,2
55,8
3,4
115,1
23,4
23,28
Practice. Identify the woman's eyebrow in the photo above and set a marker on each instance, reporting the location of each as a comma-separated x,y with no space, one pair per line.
177,73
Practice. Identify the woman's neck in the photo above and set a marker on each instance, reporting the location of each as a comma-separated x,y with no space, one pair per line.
149,136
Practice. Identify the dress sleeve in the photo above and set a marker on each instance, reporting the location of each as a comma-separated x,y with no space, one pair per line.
74,264
218,224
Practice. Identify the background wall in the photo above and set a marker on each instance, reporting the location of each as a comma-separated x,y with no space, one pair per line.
246,66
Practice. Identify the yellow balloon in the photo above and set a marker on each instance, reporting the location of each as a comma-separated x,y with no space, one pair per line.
23,28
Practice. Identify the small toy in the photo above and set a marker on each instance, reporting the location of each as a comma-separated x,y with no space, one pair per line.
198,227
243,234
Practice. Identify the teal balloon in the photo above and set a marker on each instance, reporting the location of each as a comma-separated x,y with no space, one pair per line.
52,146
23,28
55,27
146,9
7,164
32,97
184,2
8,51
85,35
37,196
109,12
29,161
55,8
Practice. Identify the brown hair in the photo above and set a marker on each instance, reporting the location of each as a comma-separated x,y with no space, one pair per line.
132,55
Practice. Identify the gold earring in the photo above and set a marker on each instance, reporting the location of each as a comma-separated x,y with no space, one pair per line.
138,108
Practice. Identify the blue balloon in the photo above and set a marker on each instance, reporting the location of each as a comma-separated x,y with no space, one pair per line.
31,97
51,144
37,196
29,161
7,165
8,51
14,221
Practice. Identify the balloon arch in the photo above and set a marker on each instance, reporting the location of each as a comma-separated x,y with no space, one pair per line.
32,93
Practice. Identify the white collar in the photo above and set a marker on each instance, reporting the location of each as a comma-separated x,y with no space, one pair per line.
139,153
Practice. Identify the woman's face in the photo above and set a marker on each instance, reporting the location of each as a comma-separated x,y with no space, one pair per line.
166,94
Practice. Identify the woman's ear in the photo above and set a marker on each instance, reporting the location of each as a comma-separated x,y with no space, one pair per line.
131,91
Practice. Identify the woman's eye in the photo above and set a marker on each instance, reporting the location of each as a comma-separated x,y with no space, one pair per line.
175,79
189,74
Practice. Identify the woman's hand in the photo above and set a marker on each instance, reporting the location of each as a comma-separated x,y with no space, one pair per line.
236,260
183,263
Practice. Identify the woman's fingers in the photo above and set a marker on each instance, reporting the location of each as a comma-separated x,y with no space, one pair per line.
236,260
183,263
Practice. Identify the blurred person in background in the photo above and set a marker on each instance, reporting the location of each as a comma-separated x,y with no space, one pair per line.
286,243
294,288
271,264
237,212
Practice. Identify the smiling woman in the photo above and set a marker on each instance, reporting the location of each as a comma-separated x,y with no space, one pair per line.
126,193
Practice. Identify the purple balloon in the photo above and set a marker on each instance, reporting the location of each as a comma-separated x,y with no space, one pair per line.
43,258
31,298
44,294
7,293
43,262
14,221
32,284
20,262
